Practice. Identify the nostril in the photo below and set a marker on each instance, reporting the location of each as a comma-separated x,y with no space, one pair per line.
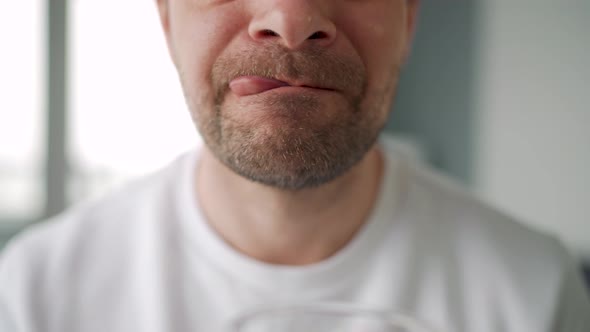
268,33
318,35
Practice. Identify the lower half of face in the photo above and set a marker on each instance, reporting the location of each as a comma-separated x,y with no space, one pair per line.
290,120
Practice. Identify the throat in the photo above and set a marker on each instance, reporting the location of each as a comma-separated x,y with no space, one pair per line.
287,227
296,246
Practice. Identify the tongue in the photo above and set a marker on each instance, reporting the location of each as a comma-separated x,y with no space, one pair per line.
250,85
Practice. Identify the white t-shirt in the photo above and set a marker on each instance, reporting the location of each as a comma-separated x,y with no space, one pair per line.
144,259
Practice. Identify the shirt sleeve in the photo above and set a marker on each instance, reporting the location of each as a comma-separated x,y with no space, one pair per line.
6,319
16,291
7,292
573,312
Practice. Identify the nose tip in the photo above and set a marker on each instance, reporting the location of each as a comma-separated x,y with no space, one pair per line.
290,42
293,28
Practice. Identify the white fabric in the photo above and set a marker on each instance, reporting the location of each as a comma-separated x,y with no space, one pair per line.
144,259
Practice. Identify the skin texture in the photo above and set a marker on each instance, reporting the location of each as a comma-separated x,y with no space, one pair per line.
290,174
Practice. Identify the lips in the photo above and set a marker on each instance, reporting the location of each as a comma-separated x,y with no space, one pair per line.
250,85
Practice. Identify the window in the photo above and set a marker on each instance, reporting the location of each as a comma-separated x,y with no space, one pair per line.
128,112
21,110
125,116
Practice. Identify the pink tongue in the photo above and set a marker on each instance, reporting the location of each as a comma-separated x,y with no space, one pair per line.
250,85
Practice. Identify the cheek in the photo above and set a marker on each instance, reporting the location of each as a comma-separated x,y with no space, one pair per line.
199,36
377,33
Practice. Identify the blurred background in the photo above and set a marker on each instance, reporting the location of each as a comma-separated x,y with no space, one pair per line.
496,94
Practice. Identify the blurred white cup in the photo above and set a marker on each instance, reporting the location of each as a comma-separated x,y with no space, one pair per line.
325,317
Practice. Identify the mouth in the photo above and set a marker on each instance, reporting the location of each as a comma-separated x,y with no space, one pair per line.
252,85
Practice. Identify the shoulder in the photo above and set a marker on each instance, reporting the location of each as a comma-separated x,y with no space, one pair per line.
106,212
470,222
85,241
501,262
440,204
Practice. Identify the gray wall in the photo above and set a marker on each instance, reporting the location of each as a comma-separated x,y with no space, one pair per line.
435,98
533,119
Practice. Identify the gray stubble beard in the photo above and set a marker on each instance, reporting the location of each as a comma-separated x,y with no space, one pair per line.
300,155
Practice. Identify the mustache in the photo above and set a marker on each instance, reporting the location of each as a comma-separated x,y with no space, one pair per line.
310,66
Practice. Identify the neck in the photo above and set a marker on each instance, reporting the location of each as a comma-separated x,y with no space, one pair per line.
287,227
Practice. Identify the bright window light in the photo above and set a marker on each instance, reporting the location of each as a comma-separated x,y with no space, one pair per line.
21,109
128,115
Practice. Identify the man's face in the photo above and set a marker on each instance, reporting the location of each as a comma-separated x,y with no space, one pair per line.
289,93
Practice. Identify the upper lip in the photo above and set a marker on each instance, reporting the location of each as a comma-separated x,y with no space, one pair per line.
304,84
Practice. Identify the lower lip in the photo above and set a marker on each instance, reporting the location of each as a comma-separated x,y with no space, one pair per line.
292,90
